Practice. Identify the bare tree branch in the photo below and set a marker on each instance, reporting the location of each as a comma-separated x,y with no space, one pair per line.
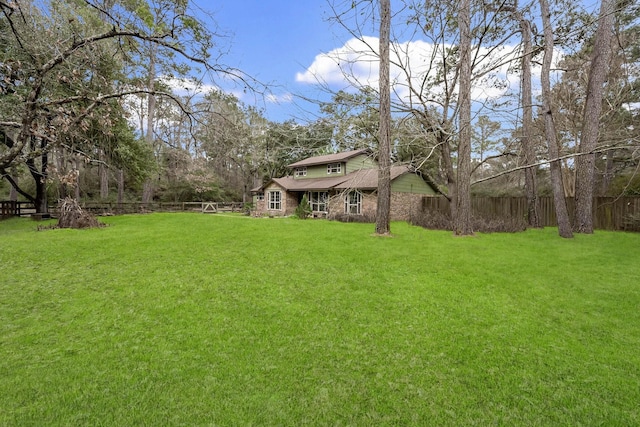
602,149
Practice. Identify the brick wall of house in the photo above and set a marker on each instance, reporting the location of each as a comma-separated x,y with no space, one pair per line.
335,204
369,204
289,202
405,205
261,206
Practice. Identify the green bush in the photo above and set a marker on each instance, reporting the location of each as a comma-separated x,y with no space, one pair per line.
303,211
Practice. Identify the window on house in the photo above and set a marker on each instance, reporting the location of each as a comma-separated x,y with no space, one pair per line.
334,168
275,200
301,171
318,201
260,196
353,203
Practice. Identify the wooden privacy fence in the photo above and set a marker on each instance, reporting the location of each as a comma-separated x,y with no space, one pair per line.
609,213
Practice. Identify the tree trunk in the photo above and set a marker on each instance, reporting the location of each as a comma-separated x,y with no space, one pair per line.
607,176
568,179
13,194
104,176
585,163
462,221
148,186
383,213
564,225
120,187
39,176
60,165
76,188
530,182
450,175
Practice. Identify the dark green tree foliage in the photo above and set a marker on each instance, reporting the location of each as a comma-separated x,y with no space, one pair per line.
63,64
303,210
288,142
355,119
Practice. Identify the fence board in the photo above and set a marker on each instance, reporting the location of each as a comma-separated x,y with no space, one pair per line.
609,213
10,208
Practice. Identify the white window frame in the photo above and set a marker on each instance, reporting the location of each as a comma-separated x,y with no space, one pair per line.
334,168
260,196
318,201
301,171
353,204
275,200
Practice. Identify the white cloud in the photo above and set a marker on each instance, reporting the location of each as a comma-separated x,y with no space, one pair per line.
355,61
185,87
284,98
355,64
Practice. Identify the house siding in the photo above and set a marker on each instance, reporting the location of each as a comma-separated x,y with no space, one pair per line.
411,183
320,171
360,162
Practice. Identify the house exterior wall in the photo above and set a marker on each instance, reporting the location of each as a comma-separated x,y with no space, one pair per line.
369,204
403,205
356,163
411,183
359,162
320,171
260,205
289,202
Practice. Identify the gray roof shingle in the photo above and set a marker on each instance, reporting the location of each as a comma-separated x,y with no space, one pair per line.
329,158
364,179
367,179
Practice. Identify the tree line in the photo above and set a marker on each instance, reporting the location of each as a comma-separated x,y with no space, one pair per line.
92,103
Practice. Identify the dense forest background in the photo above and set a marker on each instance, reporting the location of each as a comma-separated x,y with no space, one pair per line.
90,104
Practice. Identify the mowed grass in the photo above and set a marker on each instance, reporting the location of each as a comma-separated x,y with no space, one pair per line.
190,319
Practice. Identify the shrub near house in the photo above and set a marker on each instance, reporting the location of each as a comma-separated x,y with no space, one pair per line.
340,184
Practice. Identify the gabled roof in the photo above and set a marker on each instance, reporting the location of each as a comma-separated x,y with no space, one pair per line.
363,179
289,183
329,158
367,179
310,184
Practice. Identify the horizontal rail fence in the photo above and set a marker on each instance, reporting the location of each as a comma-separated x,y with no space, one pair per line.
609,213
11,208
103,208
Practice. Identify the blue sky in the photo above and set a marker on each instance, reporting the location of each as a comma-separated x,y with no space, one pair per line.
289,44
273,41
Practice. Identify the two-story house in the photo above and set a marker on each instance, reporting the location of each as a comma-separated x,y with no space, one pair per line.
341,183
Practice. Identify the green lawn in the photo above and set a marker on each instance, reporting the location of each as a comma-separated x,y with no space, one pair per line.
191,319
